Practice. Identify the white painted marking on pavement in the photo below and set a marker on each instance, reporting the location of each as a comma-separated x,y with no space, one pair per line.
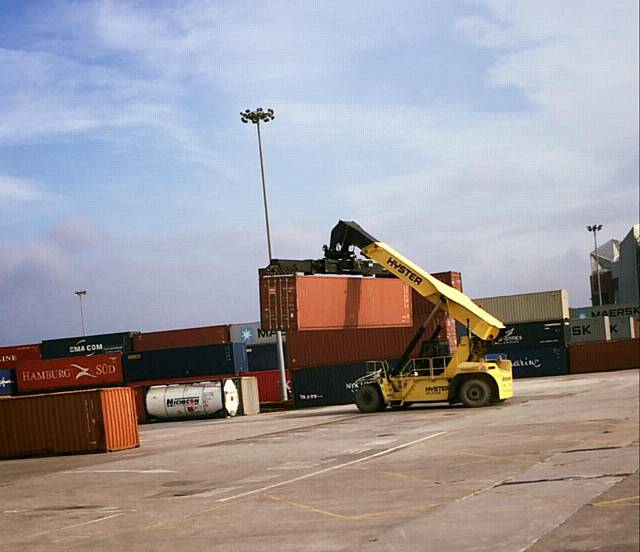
158,471
332,468
73,526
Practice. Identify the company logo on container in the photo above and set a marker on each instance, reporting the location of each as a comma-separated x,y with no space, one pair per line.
8,358
4,382
510,337
527,362
66,373
246,335
82,347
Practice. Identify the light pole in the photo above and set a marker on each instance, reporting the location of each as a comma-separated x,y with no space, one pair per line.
257,116
81,293
596,228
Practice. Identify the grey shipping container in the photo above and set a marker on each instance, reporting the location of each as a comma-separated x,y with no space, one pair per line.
607,310
623,327
87,345
263,357
583,330
7,382
208,360
528,307
250,333
540,361
326,385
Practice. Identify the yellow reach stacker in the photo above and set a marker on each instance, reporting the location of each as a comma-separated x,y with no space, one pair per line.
466,376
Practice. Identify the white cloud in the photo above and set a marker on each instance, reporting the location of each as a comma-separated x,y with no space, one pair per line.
15,190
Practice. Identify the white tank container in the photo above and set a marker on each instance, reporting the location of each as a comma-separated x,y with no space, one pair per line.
193,400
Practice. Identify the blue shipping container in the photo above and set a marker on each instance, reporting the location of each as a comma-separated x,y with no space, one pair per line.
541,361
264,357
326,385
7,382
208,360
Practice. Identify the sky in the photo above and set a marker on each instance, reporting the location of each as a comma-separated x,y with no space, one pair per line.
480,136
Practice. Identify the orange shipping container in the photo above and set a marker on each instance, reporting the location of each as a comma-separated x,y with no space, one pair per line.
604,356
333,302
97,420
187,337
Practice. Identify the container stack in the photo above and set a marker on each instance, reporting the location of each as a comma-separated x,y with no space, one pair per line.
262,358
9,358
535,338
604,338
324,363
180,358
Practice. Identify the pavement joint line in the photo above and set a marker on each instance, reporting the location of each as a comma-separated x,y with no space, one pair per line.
566,478
74,526
492,457
331,468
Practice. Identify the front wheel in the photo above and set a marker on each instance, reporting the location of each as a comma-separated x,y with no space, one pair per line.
475,392
369,399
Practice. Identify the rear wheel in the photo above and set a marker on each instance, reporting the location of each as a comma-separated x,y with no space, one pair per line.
475,392
369,399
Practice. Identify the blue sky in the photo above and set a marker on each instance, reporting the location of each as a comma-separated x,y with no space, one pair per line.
480,136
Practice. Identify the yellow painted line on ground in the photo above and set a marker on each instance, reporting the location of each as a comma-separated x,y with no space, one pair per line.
626,501
352,517
74,526
493,457
331,468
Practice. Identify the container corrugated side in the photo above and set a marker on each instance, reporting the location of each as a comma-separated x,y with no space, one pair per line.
204,361
531,335
186,337
263,357
64,423
119,418
604,356
333,302
9,356
338,347
269,385
422,305
527,307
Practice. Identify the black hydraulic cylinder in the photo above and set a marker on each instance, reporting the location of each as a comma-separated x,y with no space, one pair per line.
423,328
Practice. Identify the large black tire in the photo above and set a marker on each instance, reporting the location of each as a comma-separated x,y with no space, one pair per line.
475,392
369,399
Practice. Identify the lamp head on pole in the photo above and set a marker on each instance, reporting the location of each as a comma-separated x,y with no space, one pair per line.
594,228
80,292
257,116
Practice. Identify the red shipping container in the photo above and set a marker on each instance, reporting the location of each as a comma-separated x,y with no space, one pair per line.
335,347
187,337
69,372
10,356
333,302
96,420
139,396
269,384
604,356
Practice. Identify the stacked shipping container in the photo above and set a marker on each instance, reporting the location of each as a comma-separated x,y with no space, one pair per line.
325,363
535,335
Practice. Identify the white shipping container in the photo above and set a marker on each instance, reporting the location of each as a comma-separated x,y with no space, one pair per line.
250,333
583,330
249,397
528,307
